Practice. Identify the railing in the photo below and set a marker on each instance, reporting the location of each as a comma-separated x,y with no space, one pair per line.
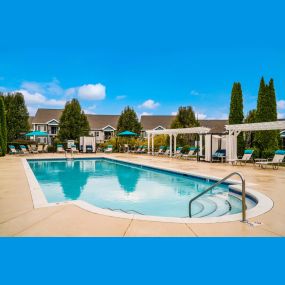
218,183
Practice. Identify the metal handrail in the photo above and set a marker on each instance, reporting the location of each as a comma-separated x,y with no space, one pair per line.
218,183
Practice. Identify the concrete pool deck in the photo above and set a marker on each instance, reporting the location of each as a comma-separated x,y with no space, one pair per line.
18,217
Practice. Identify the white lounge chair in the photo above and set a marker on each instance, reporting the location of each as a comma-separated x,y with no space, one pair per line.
24,149
59,148
74,149
275,162
178,152
108,149
247,156
12,149
160,150
167,152
190,154
40,148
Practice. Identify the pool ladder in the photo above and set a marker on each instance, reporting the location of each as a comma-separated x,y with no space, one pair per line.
218,183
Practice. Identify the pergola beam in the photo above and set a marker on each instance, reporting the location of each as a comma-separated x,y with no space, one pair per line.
196,130
266,126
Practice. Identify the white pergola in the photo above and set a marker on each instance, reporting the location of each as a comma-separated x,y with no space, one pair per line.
173,134
234,131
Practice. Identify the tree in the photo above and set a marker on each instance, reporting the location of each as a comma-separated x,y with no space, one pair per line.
3,129
185,118
17,116
266,141
128,121
236,113
249,136
73,122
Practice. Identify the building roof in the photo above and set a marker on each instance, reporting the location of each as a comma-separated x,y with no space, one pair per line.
152,122
31,118
45,115
98,122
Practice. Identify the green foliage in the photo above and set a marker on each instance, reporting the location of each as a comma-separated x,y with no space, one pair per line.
249,136
3,129
266,141
128,121
73,122
17,116
185,118
236,113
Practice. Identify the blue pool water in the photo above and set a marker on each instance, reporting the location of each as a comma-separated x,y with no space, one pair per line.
131,188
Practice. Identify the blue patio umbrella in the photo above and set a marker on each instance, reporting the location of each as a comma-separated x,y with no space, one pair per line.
36,134
127,134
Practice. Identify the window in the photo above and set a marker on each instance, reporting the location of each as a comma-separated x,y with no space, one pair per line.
53,130
97,134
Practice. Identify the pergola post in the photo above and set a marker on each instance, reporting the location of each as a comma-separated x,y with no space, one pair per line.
175,137
148,143
152,144
170,145
200,145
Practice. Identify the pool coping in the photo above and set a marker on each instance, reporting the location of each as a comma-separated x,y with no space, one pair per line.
264,204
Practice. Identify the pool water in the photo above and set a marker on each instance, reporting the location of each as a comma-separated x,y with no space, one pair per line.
132,188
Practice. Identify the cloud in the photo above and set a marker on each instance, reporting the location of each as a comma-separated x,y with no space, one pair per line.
149,104
39,99
121,97
90,109
201,116
281,104
92,91
281,115
174,113
194,93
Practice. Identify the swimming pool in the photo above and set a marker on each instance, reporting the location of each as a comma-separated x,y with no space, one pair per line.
133,189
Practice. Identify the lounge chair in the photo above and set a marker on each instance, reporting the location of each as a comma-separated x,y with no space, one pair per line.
24,149
277,159
40,148
89,148
143,149
178,152
138,150
74,149
160,150
219,155
108,149
59,148
45,148
191,153
167,152
12,149
247,156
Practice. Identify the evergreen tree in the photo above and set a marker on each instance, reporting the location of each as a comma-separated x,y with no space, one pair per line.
128,121
3,129
266,141
249,136
17,116
236,113
73,122
185,118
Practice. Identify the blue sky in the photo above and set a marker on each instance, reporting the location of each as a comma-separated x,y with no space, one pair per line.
152,55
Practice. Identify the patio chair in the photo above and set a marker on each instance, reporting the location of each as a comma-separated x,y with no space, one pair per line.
45,148
33,149
12,149
108,149
247,156
143,149
138,150
89,148
167,152
59,148
219,155
191,153
178,152
24,149
275,162
74,149
160,150
40,148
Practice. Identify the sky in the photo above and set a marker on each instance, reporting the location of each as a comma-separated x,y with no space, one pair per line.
152,55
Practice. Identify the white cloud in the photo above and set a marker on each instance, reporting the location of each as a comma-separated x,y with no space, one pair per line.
39,99
70,91
281,104
146,114
174,113
121,97
194,93
149,104
281,115
52,87
201,116
92,91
